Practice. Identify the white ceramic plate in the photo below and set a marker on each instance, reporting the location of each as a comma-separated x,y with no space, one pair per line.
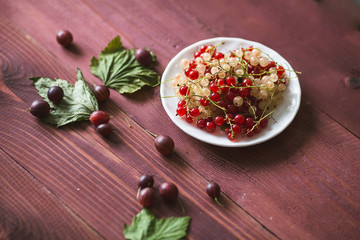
284,114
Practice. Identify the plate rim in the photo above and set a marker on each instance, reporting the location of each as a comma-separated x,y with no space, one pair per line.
241,143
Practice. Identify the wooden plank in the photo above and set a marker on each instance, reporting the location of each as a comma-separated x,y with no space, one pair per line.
294,187
332,26
73,162
29,211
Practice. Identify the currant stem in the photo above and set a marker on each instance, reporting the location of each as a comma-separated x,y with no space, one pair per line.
181,206
127,122
152,134
138,193
218,202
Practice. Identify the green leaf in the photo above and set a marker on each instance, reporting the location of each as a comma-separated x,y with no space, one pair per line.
146,226
118,69
78,102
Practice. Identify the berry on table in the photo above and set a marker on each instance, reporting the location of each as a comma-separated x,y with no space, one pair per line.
164,144
99,117
64,38
101,92
143,57
213,191
145,181
104,129
168,191
146,197
55,94
40,108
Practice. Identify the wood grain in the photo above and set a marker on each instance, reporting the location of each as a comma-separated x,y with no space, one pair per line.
168,26
97,185
304,184
30,211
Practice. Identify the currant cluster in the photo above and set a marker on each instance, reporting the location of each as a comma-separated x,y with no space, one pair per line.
236,91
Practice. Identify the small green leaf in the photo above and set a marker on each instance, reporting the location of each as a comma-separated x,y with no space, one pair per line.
78,102
118,69
146,226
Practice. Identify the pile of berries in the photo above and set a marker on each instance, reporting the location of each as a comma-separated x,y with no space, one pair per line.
236,91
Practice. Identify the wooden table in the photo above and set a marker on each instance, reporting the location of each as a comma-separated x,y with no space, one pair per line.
70,183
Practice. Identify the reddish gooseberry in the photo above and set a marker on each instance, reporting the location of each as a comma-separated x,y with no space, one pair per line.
99,117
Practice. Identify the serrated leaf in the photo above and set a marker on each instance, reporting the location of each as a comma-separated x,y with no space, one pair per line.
78,102
146,226
118,69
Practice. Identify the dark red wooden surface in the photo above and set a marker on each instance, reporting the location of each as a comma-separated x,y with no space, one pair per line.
69,183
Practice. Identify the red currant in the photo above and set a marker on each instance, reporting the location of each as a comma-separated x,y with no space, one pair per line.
280,71
221,82
243,92
230,135
192,64
181,111
218,55
264,122
184,90
189,119
201,123
210,48
249,122
193,74
187,72
230,96
194,112
181,103
230,116
203,48
209,119
257,129
222,104
246,82
239,119
236,128
270,65
227,130
219,120
197,54
230,81
231,108
214,87
204,102
224,90
215,96
249,132
210,126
